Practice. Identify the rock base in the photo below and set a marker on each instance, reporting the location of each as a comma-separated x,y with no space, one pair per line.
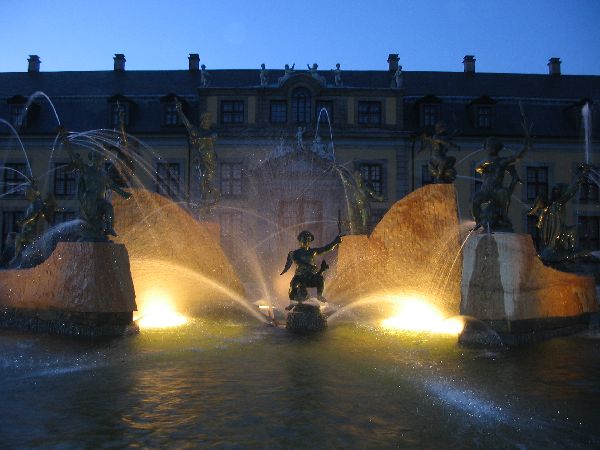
305,318
64,323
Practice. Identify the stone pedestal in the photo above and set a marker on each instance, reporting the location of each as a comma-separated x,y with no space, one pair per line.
506,285
83,288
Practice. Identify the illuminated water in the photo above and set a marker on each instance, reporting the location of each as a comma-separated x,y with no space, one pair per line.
234,385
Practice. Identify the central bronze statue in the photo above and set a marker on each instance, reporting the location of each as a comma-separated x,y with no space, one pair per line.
440,166
307,274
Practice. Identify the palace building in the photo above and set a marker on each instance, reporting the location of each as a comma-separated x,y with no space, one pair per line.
377,117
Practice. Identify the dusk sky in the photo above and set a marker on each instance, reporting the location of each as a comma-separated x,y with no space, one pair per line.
505,36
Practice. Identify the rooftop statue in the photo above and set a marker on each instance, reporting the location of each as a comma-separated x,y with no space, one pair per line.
92,192
264,78
491,202
204,76
307,274
202,140
441,166
398,78
558,238
337,75
359,195
287,72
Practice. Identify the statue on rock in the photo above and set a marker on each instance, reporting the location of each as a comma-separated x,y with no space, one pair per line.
490,204
441,166
307,274
203,140
37,215
558,238
359,194
92,192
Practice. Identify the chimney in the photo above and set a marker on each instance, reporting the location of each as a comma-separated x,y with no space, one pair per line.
119,61
554,66
194,61
469,64
34,63
393,61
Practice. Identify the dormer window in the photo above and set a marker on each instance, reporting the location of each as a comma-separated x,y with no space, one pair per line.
116,109
170,117
430,115
17,115
481,112
483,117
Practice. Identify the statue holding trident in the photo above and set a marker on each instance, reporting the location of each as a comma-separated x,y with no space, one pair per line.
307,273
202,140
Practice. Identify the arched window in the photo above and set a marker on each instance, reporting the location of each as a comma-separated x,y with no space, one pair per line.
301,105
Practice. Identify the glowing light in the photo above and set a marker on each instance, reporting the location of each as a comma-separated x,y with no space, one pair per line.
417,314
157,311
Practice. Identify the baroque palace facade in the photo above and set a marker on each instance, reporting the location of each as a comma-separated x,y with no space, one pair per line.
378,118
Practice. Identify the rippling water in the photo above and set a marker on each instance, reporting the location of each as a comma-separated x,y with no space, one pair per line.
245,386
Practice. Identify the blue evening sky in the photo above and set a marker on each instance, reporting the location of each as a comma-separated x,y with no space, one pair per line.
504,36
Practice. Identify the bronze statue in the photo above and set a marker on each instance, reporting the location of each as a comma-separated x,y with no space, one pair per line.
92,190
441,166
359,194
491,202
38,213
203,141
307,273
558,238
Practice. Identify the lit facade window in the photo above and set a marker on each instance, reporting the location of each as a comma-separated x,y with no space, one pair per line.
10,221
13,179
278,111
168,179
372,175
301,105
537,182
64,181
231,179
231,223
369,113
232,111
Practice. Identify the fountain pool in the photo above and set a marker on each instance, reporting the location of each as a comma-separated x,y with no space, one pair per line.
241,385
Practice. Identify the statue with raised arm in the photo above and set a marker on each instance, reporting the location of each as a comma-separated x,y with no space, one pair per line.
307,274
92,192
441,166
558,238
360,195
202,140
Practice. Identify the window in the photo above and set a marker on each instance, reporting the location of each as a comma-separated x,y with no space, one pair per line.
484,117
588,192
232,111
426,177
369,113
328,106
278,111
115,114
171,117
17,115
296,215
589,232
429,115
64,216
9,224
231,179
301,105
14,180
231,223
537,182
534,231
64,181
168,178
372,174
